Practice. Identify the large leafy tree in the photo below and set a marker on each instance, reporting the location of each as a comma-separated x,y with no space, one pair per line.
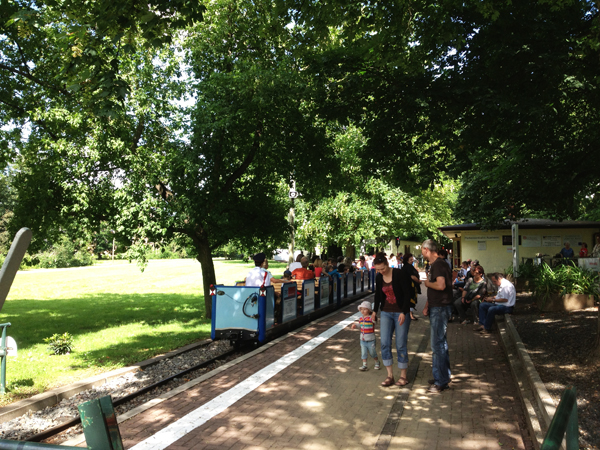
532,128
150,164
356,206
504,94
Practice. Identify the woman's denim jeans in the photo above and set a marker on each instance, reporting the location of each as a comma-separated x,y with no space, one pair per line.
389,324
439,316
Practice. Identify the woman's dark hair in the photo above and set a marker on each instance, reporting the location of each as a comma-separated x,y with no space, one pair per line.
406,257
380,259
479,269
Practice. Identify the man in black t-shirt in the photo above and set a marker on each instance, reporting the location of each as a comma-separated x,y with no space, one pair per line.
439,308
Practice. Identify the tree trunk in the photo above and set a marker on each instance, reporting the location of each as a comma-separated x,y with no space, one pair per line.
350,252
208,270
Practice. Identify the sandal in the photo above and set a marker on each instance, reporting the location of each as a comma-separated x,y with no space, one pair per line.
388,382
401,381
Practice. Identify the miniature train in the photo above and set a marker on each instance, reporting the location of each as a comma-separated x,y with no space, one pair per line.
244,314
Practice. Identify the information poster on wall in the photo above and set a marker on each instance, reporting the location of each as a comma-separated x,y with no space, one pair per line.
574,239
481,245
481,238
551,241
531,240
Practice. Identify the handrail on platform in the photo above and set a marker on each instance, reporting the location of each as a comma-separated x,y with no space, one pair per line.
564,422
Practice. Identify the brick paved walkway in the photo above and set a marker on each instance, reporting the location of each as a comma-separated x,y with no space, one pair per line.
322,401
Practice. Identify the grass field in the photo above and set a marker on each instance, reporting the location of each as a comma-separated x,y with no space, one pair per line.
116,314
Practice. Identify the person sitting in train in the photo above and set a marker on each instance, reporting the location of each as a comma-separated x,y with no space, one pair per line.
392,261
260,276
318,267
296,265
348,264
287,275
303,273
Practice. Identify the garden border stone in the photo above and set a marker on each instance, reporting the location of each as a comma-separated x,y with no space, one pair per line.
539,407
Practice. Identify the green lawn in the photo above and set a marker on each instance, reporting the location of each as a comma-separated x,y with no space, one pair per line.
117,315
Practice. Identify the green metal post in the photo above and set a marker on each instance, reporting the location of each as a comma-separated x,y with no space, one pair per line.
100,425
564,421
3,352
573,426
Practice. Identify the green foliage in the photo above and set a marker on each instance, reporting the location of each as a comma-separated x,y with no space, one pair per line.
139,252
86,46
528,270
62,255
564,279
356,206
169,250
60,344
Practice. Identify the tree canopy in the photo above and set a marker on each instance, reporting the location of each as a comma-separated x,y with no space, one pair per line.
170,119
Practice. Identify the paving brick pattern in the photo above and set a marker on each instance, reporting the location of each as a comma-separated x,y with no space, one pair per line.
481,409
322,401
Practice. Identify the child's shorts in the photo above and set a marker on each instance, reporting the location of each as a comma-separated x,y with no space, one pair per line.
368,348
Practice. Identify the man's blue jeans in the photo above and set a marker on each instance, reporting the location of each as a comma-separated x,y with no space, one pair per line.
389,324
439,316
488,311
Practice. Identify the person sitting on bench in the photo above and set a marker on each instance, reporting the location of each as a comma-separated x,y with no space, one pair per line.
502,303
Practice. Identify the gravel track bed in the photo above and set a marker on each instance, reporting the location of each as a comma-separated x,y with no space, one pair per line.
36,422
561,346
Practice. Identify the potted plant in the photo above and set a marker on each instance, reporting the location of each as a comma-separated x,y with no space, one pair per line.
527,274
565,288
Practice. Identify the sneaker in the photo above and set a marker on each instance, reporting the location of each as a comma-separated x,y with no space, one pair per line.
377,366
465,322
478,328
363,368
435,389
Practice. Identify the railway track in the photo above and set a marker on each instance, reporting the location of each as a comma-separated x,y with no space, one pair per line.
146,384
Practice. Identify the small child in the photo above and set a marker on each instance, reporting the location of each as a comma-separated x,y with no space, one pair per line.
287,275
367,336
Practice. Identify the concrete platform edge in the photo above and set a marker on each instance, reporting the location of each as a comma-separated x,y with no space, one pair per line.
531,387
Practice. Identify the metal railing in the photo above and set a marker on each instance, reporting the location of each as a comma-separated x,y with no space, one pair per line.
564,422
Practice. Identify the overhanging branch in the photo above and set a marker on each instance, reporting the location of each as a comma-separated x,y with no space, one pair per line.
247,161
